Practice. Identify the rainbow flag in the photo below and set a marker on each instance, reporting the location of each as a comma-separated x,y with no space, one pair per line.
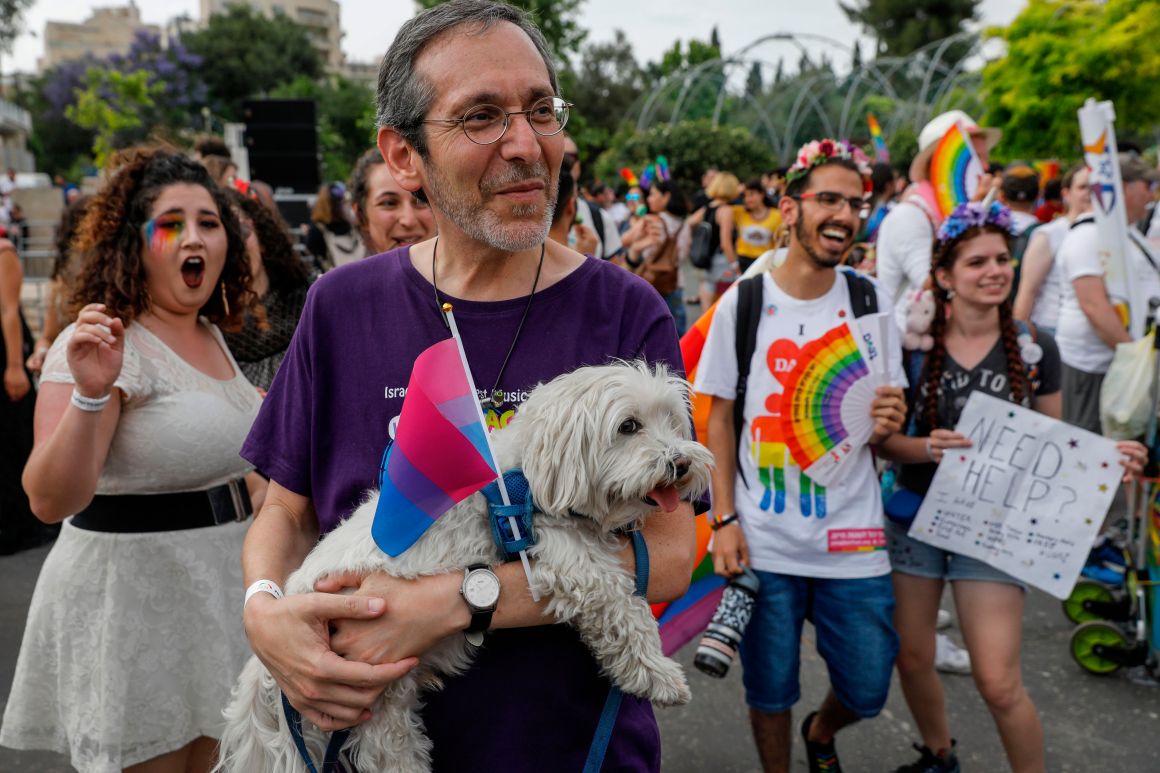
881,152
684,619
440,455
954,170
1048,170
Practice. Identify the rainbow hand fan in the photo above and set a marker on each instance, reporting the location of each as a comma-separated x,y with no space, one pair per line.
954,170
825,408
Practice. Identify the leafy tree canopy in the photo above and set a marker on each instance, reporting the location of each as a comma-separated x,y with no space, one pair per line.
110,105
11,22
244,54
1059,53
691,147
903,26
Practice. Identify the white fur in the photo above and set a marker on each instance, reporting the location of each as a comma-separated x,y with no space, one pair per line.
567,439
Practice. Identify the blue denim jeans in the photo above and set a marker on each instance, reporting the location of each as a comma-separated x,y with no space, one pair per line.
855,635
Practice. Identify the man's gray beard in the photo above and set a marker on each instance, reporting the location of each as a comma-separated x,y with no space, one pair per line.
484,225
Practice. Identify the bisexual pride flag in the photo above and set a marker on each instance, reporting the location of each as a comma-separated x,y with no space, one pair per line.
440,455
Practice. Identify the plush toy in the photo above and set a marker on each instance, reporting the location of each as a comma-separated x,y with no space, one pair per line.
919,314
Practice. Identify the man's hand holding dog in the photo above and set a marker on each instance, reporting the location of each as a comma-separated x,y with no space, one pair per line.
292,638
888,411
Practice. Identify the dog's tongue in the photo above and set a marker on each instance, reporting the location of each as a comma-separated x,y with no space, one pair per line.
666,496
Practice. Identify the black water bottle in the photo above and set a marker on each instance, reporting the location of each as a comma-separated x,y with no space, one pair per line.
719,644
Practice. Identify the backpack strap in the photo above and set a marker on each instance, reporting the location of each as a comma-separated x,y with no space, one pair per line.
749,302
863,294
597,223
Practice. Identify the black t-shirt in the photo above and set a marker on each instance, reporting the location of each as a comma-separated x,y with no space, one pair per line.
989,377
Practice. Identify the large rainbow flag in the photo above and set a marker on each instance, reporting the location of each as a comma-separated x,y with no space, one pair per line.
440,455
682,620
954,170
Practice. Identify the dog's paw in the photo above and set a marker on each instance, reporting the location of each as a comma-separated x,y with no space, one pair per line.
667,685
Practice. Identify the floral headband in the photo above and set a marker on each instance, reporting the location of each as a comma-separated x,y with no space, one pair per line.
819,152
972,215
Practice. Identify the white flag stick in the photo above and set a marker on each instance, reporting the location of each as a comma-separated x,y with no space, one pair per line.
503,492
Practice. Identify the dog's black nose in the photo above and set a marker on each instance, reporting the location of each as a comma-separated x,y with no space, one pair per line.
681,467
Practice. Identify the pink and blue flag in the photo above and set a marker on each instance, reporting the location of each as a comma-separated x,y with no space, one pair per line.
440,455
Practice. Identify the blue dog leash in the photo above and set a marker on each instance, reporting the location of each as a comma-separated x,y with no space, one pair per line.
611,709
330,761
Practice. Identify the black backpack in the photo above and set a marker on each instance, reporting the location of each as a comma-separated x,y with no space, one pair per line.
703,248
863,301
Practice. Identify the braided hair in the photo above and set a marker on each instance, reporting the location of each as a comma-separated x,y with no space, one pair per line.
943,257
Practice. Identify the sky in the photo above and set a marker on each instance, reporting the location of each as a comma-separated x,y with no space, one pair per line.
652,25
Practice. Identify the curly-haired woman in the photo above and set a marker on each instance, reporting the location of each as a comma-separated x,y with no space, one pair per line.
977,347
280,280
133,636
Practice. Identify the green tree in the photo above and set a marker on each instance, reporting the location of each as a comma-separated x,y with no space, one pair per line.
753,82
555,18
244,54
112,104
11,22
346,119
902,26
1061,53
604,86
691,147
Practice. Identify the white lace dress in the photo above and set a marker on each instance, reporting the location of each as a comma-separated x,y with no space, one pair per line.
133,641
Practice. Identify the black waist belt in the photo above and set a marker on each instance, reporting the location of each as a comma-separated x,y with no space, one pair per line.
132,513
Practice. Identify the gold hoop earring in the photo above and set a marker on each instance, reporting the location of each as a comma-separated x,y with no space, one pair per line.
225,301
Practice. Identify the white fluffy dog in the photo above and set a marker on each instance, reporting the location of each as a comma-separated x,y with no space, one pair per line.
601,448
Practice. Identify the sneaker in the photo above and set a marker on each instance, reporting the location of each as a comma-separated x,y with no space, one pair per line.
950,658
944,620
930,762
822,757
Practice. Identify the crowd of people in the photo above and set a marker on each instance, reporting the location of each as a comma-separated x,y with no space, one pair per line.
200,363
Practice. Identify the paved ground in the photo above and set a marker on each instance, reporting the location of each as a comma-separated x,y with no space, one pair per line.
1092,724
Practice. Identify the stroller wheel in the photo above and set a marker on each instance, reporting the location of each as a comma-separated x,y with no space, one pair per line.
1086,591
1091,643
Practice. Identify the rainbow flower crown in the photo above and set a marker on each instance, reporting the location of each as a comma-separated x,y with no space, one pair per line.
973,215
818,152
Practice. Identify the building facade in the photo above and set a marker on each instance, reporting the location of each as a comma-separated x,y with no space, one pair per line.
107,31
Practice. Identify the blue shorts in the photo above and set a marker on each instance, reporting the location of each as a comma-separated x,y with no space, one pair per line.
909,556
855,636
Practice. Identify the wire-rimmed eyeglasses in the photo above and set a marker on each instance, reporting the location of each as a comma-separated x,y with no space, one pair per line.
834,201
485,124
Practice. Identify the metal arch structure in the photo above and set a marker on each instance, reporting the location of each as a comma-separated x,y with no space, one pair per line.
828,99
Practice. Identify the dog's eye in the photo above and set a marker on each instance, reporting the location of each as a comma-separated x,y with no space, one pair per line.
629,427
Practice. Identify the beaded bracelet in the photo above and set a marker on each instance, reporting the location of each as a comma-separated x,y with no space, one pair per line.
90,404
717,523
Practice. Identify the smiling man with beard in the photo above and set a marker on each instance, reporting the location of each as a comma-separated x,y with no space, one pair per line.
819,552
470,119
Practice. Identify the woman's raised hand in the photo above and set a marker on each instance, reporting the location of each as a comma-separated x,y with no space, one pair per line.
95,351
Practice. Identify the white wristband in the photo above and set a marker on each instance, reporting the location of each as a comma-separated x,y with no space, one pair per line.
262,586
90,404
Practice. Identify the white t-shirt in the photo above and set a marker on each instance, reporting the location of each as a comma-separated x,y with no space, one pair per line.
1021,221
1079,346
792,525
606,247
903,251
1045,312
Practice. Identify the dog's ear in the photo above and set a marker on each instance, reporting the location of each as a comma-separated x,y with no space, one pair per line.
555,430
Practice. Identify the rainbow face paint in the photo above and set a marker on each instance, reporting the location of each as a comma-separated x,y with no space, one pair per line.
163,234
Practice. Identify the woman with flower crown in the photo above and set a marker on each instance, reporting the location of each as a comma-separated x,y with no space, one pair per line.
978,346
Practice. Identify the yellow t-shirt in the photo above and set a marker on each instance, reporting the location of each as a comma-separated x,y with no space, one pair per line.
754,237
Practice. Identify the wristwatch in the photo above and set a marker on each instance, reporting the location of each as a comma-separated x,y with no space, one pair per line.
480,590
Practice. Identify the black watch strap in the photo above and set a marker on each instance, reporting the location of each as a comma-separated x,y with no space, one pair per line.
480,621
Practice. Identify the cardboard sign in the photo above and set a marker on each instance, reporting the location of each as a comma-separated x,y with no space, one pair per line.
1028,496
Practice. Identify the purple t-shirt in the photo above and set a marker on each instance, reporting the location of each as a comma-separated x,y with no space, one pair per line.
533,697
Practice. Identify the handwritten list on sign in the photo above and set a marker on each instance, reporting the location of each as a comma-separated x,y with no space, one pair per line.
1027,497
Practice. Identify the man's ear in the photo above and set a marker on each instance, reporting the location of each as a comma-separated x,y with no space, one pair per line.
402,159
790,209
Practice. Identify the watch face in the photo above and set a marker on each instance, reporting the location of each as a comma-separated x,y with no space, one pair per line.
481,589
